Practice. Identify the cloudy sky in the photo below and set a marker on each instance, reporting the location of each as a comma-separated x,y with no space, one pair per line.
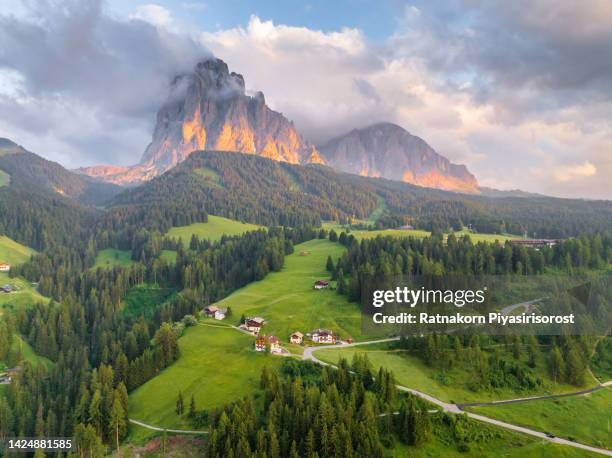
518,91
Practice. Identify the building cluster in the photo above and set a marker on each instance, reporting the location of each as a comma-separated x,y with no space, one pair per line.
5,267
269,343
212,311
535,243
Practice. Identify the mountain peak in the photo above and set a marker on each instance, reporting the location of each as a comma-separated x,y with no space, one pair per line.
387,150
208,109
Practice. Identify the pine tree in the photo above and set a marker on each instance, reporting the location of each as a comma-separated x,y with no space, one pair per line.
330,264
341,282
556,365
179,404
192,407
116,421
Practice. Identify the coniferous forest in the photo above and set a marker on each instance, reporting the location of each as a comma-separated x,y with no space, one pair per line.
100,354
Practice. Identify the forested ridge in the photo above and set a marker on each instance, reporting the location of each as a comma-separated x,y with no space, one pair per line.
258,190
30,170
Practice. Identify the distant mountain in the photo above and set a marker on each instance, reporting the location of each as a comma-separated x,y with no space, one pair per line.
491,192
209,110
30,171
389,151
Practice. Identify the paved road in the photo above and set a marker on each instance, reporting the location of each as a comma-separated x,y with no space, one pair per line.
456,408
527,305
535,398
156,428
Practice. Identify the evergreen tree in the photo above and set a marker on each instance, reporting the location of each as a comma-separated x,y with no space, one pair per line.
179,404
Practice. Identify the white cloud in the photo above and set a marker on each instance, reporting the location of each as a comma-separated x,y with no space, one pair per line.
98,98
574,171
153,14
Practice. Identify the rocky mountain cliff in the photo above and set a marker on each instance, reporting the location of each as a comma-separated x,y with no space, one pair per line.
389,151
208,109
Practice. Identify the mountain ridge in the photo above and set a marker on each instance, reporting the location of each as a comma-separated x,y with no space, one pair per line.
387,150
208,109
31,171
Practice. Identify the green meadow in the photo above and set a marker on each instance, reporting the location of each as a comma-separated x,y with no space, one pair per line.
450,386
110,257
288,301
12,252
217,365
213,230
145,300
361,234
586,419
5,178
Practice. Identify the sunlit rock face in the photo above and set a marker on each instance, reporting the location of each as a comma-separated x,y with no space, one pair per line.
208,109
389,151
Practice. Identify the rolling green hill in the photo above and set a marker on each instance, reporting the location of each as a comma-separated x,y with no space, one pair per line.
288,302
217,365
215,228
12,252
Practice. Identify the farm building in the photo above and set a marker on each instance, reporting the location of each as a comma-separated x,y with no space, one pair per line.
7,288
535,243
274,344
321,284
211,310
254,324
220,314
260,343
296,338
5,267
323,336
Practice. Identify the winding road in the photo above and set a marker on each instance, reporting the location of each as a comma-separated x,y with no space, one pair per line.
458,408
444,406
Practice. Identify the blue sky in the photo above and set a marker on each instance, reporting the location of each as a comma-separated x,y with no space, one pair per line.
377,19
518,91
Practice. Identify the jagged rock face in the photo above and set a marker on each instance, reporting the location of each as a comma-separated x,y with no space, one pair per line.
209,110
389,151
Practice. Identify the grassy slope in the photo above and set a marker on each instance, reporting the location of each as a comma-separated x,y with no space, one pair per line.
213,230
507,445
217,365
410,371
5,178
12,252
586,419
288,301
111,257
